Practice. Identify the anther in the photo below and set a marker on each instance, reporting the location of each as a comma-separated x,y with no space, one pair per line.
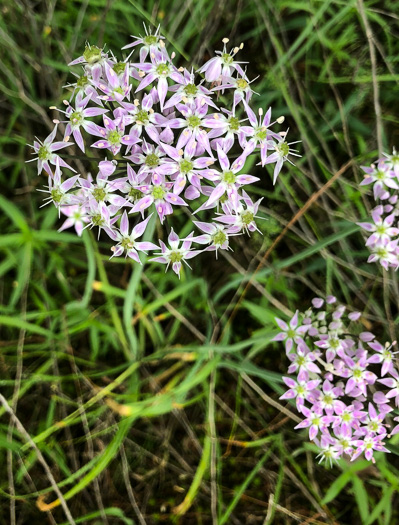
280,120
225,40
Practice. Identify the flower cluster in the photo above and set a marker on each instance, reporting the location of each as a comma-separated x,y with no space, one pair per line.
384,226
172,145
344,381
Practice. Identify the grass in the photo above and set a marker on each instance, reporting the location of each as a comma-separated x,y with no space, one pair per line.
144,399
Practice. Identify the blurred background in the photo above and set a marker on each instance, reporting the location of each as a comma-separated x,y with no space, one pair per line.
146,399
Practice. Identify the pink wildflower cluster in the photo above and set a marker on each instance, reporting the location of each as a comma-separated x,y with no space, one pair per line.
345,380
173,144
384,227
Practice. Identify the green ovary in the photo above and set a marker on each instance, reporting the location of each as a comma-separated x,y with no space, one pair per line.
373,426
193,121
82,82
301,361
43,153
328,399
158,193
142,116
242,83
380,175
127,243
119,90
135,195
186,166
119,67
247,217
175,257
219,238
76,118
56,195
190,89
229,177
150,40
99,194
283,149
357,374
97,220
114,138
152,160
234,124
92,54
162,69
227,59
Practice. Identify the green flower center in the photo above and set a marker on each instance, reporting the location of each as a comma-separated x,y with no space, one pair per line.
242,83
380,175
344,443
76,118
142,116
119,67
193,121
135,195
247,217
373,426
381,252
99,194
127,243
300,390
158,192
190,89
150,40
234,123
119,90
97,220
261,134
328,399
44,153
283,149
152,160
291,333
186,166
301,360
82,82
395,159
175,257
92,54
227,59
114,137
162,69
346,417
381,229
316,421
56,195
357,374
334,343
219,238
386,354
229,177
77,215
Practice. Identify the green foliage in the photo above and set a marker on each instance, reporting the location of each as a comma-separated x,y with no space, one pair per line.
136,387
